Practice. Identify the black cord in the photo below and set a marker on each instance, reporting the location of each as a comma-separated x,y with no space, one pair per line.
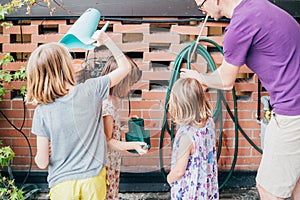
258,100
23,122
26,138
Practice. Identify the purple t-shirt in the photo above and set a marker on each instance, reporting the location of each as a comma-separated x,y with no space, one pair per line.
267,39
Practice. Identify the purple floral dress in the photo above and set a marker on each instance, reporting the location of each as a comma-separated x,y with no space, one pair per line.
200,180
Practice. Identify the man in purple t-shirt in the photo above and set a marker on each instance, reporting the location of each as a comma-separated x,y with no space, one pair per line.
267,40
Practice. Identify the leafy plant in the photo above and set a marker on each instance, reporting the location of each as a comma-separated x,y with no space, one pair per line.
7,77
8,189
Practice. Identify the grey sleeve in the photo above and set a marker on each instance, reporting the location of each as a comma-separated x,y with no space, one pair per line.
38,125
100,86
103,87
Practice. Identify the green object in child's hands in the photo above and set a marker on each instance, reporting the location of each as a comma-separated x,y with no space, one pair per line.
137,133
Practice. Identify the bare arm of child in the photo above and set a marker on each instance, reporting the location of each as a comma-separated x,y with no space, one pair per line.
124,66
42,155
184,152
119,145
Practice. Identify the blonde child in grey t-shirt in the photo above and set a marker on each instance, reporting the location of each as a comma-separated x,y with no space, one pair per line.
70,117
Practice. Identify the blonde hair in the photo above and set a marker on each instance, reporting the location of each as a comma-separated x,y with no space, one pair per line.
49,71
123,87
187,104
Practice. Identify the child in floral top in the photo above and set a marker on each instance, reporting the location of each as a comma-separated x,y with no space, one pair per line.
112,125
193,172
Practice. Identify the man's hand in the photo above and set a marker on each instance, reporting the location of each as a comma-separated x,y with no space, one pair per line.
187,73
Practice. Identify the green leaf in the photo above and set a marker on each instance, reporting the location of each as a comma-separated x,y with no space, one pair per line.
6,155
7,77
2,91
23,89
17,75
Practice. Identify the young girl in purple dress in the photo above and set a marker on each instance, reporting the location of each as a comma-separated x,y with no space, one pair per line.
193,172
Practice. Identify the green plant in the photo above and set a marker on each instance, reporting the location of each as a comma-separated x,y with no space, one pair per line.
8,189
7,77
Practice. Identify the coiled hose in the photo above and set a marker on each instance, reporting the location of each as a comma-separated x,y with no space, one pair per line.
185,56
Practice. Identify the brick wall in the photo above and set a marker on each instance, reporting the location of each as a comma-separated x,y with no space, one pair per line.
154,46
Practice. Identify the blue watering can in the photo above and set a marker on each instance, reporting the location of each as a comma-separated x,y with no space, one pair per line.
79,35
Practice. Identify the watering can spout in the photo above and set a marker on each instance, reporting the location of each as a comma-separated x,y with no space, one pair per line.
81,32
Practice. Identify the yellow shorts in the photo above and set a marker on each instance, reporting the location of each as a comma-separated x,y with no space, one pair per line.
84,189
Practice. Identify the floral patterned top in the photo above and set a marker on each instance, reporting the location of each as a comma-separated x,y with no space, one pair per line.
113,162
200,180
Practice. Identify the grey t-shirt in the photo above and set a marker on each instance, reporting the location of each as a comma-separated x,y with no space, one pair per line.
74,126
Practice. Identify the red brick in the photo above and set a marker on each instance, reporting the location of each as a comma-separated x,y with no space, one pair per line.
124,114
134,47
245,86
15,85
141,85
154,95
28,29
4,124
162,38
152,123
13,114
217,24
217,39
156,75
244,143
176,48
143,28
5,104
22,161
142,65
217,57
18,123
46,38
21,142
248,160
19,47
63,29
199,66
159,56
242,151
14,66
4,39
145,104
6,141
24,151
188,30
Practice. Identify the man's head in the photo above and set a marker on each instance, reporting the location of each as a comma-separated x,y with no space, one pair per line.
217,8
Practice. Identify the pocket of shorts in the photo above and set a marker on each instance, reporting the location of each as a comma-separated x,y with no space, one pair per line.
282,121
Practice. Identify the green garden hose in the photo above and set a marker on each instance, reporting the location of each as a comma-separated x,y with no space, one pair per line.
185,56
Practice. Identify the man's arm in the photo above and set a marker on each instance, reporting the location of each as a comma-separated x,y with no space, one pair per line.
223,78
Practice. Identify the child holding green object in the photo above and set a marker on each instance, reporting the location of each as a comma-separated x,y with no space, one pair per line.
112,126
